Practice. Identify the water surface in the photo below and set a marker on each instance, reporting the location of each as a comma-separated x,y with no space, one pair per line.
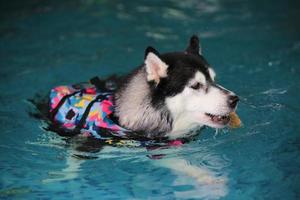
254,47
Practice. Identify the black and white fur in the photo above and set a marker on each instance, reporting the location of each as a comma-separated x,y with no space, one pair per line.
168,96
173,93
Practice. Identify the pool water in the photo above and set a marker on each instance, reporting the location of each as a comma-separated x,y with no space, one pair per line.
254,47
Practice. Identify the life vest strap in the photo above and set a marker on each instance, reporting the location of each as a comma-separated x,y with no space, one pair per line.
82,121
61,102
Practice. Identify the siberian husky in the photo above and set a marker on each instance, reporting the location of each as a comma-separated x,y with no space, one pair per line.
168,96
172,94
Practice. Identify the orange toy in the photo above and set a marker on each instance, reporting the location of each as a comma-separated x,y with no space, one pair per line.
235,121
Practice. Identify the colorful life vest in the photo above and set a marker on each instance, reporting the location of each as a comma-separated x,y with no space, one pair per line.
84,109
87,109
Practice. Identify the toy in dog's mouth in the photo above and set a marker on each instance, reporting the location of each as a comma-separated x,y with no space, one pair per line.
231,119
219,119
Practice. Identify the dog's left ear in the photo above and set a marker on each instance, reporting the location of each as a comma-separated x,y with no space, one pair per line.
194,46
155,67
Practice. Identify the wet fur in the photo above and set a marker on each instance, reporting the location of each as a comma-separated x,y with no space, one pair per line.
135,108
140,105
143,105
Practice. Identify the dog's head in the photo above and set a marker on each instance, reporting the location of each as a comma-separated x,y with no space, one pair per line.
185,83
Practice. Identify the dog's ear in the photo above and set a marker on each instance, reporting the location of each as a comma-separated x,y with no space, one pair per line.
155,67
152,50
194,46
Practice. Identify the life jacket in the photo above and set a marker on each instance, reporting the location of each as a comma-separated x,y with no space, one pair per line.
84,108
87,109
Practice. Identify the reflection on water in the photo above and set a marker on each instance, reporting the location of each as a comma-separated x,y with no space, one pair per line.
202,177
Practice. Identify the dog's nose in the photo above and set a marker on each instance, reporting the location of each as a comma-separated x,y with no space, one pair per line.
233,100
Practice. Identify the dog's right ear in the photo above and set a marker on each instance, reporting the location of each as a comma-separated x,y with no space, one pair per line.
194,46
155,67
152,50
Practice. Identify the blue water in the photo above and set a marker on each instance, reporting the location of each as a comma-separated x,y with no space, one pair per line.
254,47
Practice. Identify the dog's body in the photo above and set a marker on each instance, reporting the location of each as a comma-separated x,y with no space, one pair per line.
167,97
173,93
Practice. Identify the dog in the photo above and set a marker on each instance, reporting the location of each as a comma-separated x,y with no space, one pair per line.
172,94
169,96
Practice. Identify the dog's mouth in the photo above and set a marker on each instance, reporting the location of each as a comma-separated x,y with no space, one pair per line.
219,119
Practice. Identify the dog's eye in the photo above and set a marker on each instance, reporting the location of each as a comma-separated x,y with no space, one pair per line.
196,86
